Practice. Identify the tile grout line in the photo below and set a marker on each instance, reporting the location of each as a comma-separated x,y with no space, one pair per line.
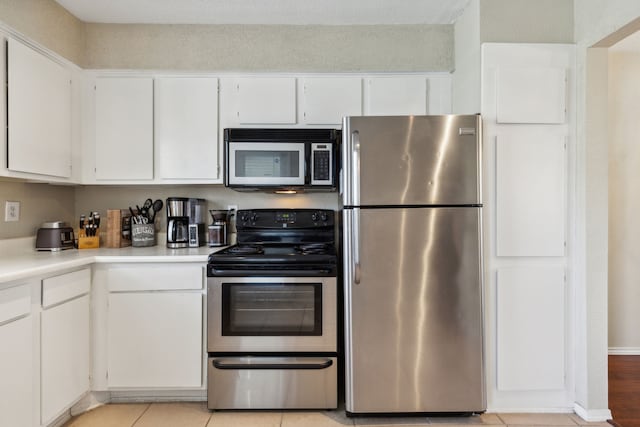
141,415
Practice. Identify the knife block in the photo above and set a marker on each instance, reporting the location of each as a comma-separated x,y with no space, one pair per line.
118,228
88,242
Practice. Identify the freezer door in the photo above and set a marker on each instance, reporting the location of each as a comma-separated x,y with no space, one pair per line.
412,160
413,310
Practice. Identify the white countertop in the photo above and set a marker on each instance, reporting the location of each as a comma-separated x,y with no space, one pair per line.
19,259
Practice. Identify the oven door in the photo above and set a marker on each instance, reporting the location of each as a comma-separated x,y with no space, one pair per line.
264,163
271,314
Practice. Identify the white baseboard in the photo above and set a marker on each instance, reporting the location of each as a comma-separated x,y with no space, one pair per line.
624,351
510,410
592,415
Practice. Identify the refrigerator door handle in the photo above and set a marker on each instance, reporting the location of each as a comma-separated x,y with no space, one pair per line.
355,168
356,246
355,191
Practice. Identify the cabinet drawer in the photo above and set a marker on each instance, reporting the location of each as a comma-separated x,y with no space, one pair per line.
65,287
15,302
152,277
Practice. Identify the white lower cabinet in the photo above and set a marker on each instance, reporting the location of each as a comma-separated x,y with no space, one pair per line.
154,326
16,357
155,340
64,342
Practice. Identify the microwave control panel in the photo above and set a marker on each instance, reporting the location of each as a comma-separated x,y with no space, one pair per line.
321,167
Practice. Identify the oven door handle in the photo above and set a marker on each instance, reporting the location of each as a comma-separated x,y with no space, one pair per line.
271,273
244,364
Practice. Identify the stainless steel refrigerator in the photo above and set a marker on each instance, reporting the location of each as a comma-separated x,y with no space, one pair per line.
412,241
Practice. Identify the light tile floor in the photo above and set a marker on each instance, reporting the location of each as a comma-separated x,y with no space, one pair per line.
197,415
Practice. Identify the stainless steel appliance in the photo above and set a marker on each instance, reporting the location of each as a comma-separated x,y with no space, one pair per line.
185,222
272,313
281,159
54,236
412,211
197,222
219,228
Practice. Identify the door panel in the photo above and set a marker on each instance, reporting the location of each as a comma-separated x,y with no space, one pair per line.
413,160
415,335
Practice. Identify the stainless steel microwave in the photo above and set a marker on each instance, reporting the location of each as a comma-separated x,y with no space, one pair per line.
295,159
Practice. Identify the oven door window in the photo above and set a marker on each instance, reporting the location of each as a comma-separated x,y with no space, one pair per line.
271,309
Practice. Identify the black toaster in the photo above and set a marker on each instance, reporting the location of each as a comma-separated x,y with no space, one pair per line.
54,236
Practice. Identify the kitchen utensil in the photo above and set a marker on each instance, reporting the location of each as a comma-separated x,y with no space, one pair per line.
156,207
145,208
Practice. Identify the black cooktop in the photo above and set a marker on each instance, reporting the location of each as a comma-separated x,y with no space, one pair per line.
279,242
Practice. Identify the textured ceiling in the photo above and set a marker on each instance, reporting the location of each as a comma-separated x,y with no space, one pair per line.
292,12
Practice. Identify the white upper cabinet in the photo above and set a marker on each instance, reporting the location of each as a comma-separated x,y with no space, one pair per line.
124,128
395,96
266,100
186,128
326,100
39,113
531,95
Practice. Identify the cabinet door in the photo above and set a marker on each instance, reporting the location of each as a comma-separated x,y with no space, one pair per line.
65,356
531,95
186,128
396,96
16,371
155,340
16,357
39,113
327,100
124,128
266,100
530,193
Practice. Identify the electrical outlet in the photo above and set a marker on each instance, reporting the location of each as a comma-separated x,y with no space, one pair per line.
11,211
232,207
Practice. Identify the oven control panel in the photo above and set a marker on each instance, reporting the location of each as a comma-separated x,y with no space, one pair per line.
285,218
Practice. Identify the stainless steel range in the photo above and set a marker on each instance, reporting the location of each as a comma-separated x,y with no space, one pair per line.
272,313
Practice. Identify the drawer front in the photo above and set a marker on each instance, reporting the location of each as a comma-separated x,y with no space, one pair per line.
272,383
65,287
159,277
15,302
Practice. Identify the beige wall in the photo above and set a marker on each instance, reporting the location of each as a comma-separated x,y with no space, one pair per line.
594,20
526,21
47,23
466,77
502,21
99,198
624,203
263,48
38,203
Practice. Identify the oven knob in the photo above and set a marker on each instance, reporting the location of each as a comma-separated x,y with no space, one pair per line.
244,217
323,216
254,217
314,217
